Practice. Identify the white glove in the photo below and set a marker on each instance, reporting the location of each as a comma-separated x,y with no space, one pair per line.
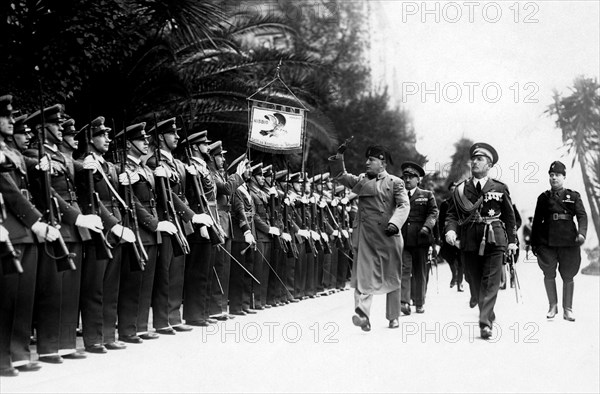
202,219
335,202
311,200
166,227
90,163
325,237
304,233
304,200
45,231
241,167
344,201
286,237
204,232
124,233
345,234
315,235
249,238
191,170
322,204
272,191
287,201
274,230
44,164
451,237
129,178
160,172
91,222
3,234
335,233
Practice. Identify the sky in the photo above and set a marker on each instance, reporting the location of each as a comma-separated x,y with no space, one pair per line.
486,71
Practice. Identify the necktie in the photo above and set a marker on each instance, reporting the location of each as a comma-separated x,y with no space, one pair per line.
478,187
410,194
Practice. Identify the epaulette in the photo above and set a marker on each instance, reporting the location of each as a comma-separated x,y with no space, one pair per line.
496,180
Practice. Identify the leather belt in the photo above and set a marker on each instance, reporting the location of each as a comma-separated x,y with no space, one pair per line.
26,194
561,216
69,196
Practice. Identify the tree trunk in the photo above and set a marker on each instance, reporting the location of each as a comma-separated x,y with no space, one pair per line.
594,267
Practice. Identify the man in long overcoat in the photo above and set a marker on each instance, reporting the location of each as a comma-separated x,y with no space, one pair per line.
383,207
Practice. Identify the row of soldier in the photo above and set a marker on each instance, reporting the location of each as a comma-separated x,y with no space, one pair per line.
102,242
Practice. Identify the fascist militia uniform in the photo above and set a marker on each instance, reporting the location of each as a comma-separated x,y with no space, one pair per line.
556,240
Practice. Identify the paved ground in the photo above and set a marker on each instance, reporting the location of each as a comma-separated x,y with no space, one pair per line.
312,346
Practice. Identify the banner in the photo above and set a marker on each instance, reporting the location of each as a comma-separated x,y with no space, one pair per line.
276,128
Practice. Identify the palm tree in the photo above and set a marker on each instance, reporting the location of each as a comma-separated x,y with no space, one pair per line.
578,117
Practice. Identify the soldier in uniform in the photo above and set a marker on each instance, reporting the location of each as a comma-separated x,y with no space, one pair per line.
22,221
135,291
101,273
481,222
21,134
417,233
225,186
556,240
170,267
382,210
70,143
57,291
448,252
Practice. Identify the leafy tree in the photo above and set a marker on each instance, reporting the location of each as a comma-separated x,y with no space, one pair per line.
578,118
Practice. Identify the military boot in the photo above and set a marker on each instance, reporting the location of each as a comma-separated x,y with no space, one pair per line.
550,285
568,288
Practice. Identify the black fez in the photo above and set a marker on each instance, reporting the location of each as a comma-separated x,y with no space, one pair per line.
53,114
196,138
413,168
558,167
69,127
257,169
483,149
134,132
165,127
216,148
379,152
6,109
20,126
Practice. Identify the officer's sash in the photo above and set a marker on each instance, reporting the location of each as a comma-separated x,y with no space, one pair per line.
465,205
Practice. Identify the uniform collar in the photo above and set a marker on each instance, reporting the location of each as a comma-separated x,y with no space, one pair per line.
482,181
168,155
134,160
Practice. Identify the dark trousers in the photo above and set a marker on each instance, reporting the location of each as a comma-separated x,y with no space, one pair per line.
484,276
17,294
290,275
319,270
566,259
414,263
274,288
219,295
99,295
196,287
240,283
310,272
167,294
262,272
57,303
300,272
343,265
331,271
135,293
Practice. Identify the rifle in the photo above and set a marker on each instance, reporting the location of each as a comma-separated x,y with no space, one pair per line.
103,248
514,278
324,241
131,211
64,260
292,248
8,254
180,246
273,219
215,233
309,242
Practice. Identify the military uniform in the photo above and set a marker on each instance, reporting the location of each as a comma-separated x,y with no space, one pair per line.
483,220
556,240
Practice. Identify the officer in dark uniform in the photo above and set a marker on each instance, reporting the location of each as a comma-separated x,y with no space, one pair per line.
135,291
22,220
417,233
170,268
481,222
100,273
556,240
57,291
